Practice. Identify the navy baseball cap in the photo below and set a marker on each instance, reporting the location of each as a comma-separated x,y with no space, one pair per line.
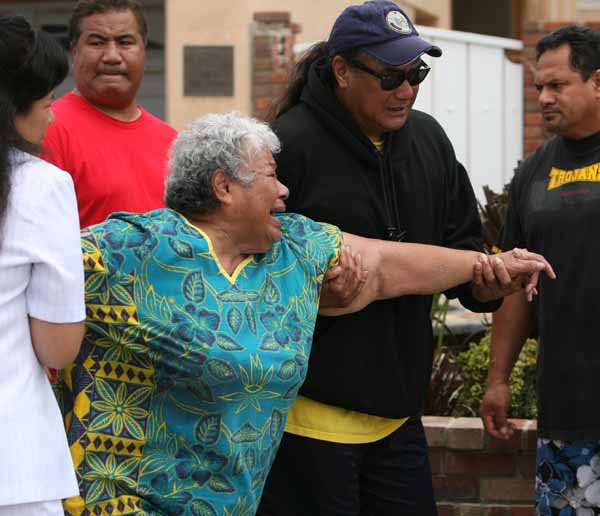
381,29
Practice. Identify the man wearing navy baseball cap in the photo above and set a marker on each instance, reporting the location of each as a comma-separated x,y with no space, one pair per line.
382,30
355,154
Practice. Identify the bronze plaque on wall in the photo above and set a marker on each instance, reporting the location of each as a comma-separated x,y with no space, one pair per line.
208,71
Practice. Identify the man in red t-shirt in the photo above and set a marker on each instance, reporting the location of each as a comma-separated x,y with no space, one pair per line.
114,149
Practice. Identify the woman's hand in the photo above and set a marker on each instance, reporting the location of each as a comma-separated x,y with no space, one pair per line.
344,282
506,273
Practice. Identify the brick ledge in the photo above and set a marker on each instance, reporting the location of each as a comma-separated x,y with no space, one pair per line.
466,433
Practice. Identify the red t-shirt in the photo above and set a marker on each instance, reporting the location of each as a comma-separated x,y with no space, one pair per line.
115,165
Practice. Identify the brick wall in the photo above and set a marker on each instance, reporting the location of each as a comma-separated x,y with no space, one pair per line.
273,58
474,475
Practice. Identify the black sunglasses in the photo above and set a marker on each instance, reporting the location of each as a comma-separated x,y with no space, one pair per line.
392,80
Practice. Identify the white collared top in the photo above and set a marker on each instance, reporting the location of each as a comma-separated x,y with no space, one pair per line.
41,275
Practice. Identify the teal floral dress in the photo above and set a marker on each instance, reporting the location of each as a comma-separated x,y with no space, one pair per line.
177,402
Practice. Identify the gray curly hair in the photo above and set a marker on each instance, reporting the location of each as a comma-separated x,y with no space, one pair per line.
217,141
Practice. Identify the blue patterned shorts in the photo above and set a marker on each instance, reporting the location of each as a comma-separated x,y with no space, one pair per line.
567,479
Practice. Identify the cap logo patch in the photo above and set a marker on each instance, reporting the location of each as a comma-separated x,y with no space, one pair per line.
398,22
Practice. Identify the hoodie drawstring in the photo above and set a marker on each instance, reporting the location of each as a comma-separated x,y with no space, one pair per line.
393,219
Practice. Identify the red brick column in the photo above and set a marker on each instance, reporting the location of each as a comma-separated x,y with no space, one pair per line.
474,475
273,58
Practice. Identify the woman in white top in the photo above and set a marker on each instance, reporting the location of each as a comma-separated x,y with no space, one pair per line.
41,278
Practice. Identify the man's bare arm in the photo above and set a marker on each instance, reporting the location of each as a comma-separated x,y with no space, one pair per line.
512,324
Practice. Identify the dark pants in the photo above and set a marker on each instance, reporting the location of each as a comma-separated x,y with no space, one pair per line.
390,477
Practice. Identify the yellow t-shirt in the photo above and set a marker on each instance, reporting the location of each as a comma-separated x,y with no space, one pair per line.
379,145
316,420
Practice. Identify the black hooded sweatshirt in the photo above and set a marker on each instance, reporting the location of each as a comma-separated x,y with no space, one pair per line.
377,361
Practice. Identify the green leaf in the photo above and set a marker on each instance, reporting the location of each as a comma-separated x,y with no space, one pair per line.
220,484
238,465
250,457
193,287
165,310
257,479
104,295
220,369
134,428
234,319
235,296
151,302
152,330
246,434
94,281
152,464
228,344
101,421
250,318
208,429
95,491
86,242
138,396
202,508
201,390
96,465
181,248
269,344
292,391
129,335
126,279
271,292
245,377
276,425
287,370
121,295
125,468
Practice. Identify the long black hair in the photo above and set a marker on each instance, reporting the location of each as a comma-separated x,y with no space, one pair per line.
32,64
299,77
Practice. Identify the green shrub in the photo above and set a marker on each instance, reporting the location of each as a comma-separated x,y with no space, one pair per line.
475,364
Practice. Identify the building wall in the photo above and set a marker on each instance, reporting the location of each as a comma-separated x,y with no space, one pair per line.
588,15
579,11
441,10
54,16
188,22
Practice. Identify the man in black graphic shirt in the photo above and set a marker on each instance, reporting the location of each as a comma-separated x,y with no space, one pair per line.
554,205
355,153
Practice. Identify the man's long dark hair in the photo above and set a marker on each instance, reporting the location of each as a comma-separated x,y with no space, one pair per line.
299,77
31,66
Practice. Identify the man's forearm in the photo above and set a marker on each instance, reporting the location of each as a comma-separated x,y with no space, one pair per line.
422,269
512,325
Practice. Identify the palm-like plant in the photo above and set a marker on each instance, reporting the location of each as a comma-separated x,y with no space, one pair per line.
492,216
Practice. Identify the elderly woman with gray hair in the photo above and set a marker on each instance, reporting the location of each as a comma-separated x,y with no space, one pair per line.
200,320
